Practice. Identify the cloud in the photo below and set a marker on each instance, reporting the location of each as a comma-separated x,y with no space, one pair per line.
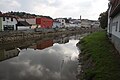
58,8
6,5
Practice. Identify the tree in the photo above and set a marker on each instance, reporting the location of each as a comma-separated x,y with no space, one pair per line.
103,18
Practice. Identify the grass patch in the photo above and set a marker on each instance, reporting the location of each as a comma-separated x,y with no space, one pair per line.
105,59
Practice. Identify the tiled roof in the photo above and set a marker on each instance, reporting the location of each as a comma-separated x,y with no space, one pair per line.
23,23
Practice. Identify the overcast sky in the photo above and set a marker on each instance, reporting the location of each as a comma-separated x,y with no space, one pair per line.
88,9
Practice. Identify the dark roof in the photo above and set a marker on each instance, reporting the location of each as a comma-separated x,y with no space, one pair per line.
23,23
115,7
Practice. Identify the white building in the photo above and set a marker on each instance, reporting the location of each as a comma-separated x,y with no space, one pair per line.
23,25
75,23
56,24
62,21
7,23
113,29
31,21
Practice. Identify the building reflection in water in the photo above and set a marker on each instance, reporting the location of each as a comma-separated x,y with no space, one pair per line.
61,40
42,44
8,53
54,59
13,51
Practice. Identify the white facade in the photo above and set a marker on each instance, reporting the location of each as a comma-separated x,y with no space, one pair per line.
8,23
71,25
31,21
62,21
116,26
113,29
23,27
56,24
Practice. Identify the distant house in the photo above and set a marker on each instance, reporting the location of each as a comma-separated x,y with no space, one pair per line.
85,23
44,22
75,23
39,22
31,21
7,23
62,21
56,24
23,25
113,29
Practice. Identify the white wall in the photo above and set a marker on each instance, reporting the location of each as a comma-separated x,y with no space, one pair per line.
9,22
56,24
23,27
115,25
62,21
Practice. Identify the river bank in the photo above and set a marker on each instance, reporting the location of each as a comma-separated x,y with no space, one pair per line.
98,58
8,37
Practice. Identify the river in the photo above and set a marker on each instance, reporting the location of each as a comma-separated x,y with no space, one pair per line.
53,58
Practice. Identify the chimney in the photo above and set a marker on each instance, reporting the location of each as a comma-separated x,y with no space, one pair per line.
80,17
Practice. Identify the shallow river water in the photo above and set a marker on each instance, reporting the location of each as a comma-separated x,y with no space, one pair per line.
48,59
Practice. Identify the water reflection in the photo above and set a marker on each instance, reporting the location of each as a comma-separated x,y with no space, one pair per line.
8,53
42,44
48,59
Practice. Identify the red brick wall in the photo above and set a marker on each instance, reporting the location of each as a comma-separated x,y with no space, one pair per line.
44,22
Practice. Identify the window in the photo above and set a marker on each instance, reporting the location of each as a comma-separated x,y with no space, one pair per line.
3,18
7,17
119,26
11,19
8,27
62,23
116,24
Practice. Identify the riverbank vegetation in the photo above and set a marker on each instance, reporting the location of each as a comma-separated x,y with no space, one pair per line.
99,58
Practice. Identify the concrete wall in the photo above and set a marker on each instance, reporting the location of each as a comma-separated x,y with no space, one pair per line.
116,42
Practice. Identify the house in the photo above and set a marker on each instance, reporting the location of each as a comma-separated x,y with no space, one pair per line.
23,25
56,24
7,23
62,21
44,22
31,21
75,23
85,23
113,29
